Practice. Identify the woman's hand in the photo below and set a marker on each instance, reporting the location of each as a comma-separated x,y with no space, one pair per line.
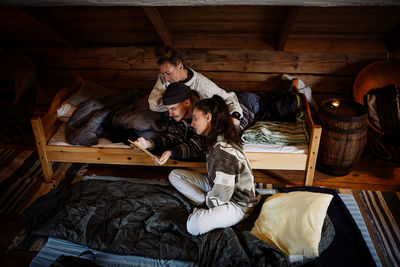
143,143
163,159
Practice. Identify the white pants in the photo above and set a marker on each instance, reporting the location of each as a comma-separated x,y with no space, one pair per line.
195,186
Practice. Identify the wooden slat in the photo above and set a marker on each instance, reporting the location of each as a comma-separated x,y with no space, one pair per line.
159,24
127,156
123,38
254,82
277,161
246,61
146,53
143,52
123,156
319,91
335,45
227,41
284,65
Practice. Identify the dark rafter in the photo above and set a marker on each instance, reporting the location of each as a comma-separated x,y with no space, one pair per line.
159,24
287,27
47,23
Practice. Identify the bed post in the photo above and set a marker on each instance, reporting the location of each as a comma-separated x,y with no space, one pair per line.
44,127
40,140
315,136
313,154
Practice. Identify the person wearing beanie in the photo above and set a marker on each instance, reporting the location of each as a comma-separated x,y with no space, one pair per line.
180,142
173,69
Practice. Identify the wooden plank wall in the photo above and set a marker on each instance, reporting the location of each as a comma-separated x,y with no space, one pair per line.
328,74
238,47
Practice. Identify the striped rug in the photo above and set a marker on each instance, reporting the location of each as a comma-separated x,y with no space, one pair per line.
381,211
21,183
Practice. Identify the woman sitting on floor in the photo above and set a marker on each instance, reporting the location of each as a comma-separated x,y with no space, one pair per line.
228,189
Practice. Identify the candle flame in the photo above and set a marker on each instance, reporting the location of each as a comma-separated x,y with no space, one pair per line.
335,103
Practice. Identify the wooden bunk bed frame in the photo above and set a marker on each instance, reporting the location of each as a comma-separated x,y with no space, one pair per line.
45,127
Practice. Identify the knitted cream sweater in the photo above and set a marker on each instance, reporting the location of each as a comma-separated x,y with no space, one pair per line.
199,83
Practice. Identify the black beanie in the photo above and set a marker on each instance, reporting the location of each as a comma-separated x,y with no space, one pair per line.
176,93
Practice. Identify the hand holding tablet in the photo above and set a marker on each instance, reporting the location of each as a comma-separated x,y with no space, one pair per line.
143,149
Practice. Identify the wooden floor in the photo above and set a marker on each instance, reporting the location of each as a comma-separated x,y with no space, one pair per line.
10,226
368,174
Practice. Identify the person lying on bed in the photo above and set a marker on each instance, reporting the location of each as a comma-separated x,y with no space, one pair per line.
228,188
173,69
180,141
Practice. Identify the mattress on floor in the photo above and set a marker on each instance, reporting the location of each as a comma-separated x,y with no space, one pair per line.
56,247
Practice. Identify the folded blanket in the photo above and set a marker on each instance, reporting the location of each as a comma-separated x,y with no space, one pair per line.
276,132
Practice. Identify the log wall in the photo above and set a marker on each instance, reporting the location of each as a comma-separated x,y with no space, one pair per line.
328,74
239,47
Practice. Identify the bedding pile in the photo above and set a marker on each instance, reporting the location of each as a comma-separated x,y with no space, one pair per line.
149,220
140,219
95,112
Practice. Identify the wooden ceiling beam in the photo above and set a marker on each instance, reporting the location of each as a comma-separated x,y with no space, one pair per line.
287,27
159,24
47,23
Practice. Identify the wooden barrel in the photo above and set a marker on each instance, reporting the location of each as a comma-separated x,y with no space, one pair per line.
344,134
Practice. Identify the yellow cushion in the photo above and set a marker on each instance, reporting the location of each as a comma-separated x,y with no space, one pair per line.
293,222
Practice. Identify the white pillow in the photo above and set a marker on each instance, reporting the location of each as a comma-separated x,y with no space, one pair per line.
293,222
65,112
88,90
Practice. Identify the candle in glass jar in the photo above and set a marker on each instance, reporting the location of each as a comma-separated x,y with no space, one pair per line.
335,103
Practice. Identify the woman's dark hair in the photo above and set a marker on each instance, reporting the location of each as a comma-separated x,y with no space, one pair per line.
168,54
221,121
